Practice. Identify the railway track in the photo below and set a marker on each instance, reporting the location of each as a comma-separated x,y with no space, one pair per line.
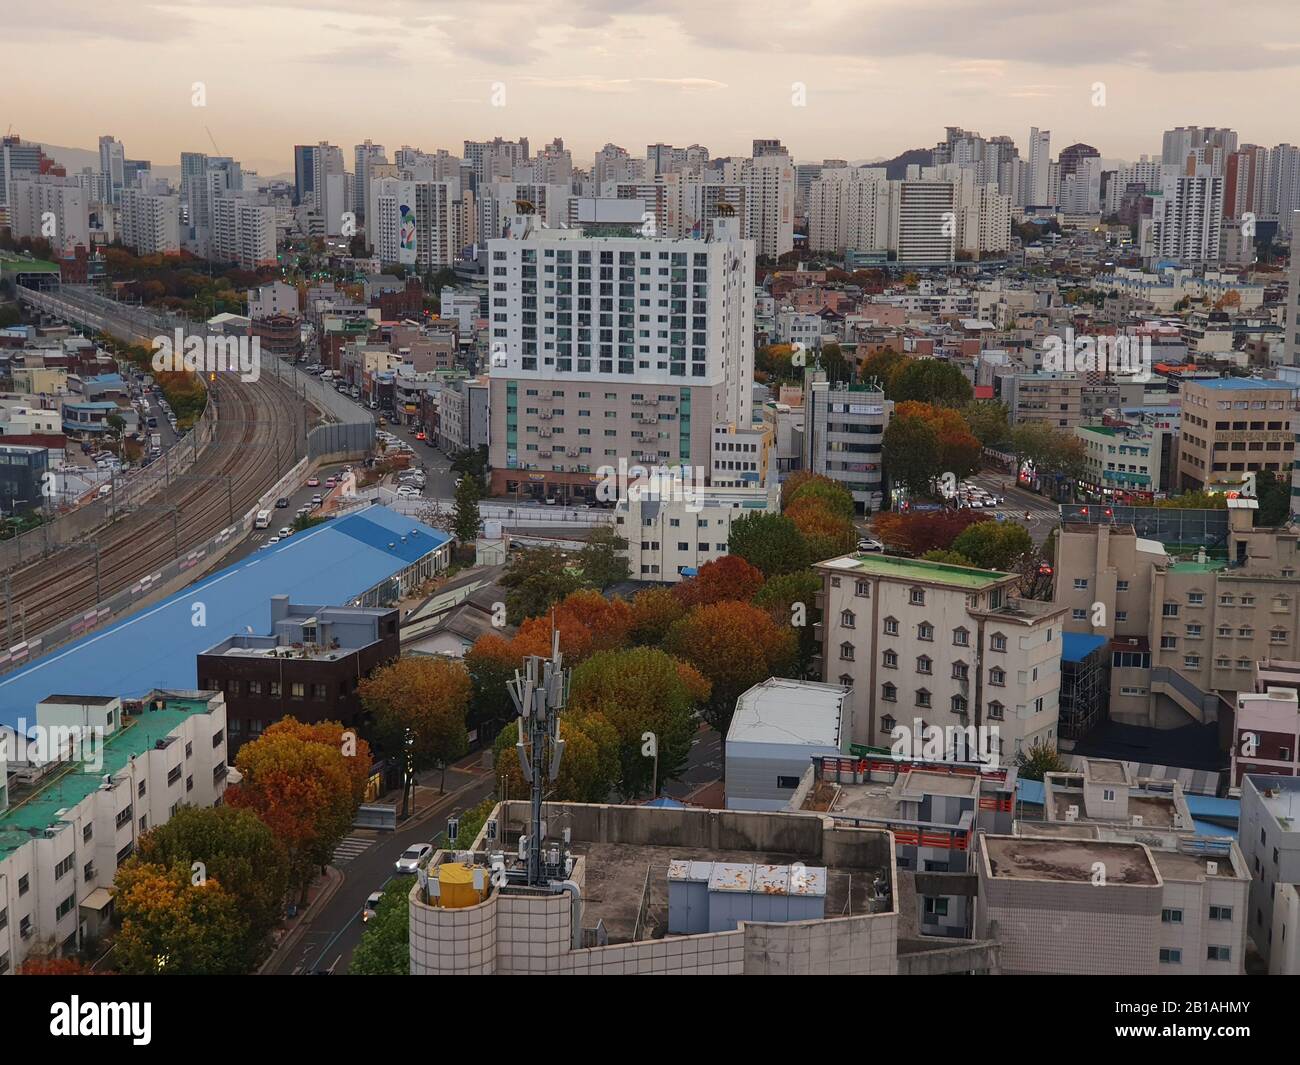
195,507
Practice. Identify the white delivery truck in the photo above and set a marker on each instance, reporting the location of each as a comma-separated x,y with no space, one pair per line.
263,520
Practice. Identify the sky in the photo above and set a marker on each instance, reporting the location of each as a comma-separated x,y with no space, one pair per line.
855,80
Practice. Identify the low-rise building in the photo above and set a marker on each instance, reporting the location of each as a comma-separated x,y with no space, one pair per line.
1270,839
670,535
70,815
307,667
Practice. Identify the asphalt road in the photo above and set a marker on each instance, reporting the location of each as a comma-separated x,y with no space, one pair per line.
366,858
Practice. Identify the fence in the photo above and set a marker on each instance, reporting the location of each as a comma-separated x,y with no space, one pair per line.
1174,527
141,591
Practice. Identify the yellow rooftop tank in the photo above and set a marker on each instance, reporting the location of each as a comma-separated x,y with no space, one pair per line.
456,885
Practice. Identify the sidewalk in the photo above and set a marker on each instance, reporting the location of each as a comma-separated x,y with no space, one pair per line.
322,889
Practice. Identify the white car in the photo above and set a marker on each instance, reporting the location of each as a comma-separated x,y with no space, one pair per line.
284,532
372,904
407,492
412,857
272,540
867,544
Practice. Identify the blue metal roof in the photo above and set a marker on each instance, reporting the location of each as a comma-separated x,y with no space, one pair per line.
330,564
1237,384
1205,828
1031,791
1209,806
1076,646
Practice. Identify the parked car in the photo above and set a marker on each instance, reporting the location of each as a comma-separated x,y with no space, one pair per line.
867,544
284,532
313,482
316,501
410,860
282,502
272,540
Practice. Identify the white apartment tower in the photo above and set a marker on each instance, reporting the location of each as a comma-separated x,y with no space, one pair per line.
243,231
1039,192
414,222
609,348
363,156
150,223
1188,216
46,207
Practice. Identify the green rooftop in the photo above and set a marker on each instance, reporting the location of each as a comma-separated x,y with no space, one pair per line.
31,813
965,577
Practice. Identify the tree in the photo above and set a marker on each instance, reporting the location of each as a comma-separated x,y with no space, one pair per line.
535,580
37,965
491,663
884,367
305,783
832,495
117,423
653,614
728,577
959,451
427,695
916,534
467,522
770,542
826,534
1195,501
911,452
933,381
995,545
988,421
639,690
603,560
1274,500
588,769
239,852
949,558
734,646
1038,758
385,947
172,925
791,599
586,621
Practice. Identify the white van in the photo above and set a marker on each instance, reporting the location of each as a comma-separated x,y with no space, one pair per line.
263,520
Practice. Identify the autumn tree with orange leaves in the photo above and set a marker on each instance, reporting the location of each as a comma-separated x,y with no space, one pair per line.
734,646
427,695
653,614
728,577
305,782
173,925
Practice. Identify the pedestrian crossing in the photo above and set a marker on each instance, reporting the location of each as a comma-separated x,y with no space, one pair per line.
351,847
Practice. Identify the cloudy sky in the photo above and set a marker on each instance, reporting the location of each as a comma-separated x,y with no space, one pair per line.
877,76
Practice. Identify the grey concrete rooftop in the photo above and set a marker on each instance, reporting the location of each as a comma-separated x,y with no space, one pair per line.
1068,860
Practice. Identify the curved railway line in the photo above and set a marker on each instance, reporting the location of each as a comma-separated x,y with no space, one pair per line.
259,435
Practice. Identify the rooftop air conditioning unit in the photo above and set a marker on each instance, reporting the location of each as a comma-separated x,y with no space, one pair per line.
1072,813
1211,868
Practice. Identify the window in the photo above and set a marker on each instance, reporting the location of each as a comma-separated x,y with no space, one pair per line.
959,705
924,664
889,693
917,597
63,868
1080,584
846,680
846,652
960,638
995,711
922,697
1220,913
925,631
937,907
887,723
997,677
960,671
65,907
1108,795
1213,953
140,788
847,619
889,659
24,885
862,588
1121,586
1169,956
891,626
997,642
1170,610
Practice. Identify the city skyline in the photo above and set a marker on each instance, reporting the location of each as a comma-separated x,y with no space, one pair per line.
699,77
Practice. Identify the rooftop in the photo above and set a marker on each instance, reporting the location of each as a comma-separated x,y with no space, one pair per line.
1068,860
789,711
1076,646
32,813
966,578
332,563
1281,798
1244,384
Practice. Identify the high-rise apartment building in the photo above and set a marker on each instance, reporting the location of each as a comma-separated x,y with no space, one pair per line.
51,208
363,155
1039,190
112,164
495,160
415,222
151,223
1187,220
619,348
243,231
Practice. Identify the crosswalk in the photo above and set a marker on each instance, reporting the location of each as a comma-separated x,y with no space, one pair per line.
351,847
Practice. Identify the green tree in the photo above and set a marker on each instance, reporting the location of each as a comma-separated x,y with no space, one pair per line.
467,522
994,545
948,557
603,561
837,499
535,580
1274,500
770,542
933,381
884,367
385,947
237,850
791,599
1038,758
639,690
911,452
988,421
